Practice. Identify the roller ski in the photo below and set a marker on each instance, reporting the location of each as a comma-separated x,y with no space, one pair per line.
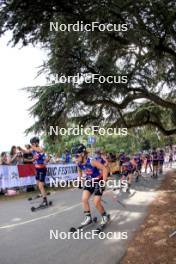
43,205
88,221
106,219
37,196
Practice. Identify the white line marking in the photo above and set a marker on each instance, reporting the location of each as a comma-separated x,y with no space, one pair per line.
39,218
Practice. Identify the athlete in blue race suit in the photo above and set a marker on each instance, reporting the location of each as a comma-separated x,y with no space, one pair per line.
126,171
155,160
161,155
138,161
39,158
90,171
93,171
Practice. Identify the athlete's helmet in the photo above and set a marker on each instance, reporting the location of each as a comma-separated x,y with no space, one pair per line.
78,148
34,140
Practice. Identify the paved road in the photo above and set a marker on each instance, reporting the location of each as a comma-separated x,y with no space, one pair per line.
25,236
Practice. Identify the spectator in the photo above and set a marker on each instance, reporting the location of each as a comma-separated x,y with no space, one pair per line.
51,159
58,159
19,157
13,155
66,157
27,155
4,159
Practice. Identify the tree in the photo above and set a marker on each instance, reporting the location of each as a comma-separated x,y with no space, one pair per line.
146,54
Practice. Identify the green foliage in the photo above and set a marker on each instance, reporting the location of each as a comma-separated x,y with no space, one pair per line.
138,139
145,54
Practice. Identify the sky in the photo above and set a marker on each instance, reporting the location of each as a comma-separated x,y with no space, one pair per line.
18,69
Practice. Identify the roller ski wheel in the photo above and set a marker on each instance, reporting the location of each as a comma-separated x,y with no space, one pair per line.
33,208
40,207
74,229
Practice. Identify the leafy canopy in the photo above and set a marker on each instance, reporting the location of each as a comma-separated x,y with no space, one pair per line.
146,54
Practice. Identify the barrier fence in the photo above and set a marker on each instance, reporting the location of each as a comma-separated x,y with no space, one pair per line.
24,174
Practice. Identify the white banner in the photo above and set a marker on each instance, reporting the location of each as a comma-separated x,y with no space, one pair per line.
9,176
61,172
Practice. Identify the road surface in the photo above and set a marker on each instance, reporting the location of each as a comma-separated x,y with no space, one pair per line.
25,237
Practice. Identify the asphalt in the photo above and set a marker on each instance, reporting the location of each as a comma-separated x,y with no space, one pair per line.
33,237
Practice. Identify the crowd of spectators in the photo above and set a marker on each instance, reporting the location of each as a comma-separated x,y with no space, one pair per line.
18,155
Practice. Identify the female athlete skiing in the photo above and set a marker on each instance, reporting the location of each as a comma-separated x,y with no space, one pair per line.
94,172
39,160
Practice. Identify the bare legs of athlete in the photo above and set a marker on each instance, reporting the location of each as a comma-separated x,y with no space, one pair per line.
161,167
146,167
41,187
155,171
85,200
129,181
96,200
97,203
138,174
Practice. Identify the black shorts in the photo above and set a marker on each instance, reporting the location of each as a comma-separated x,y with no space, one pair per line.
155,162
40,174
93,188
161,162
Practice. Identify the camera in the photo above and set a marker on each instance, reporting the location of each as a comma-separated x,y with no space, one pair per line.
19,154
